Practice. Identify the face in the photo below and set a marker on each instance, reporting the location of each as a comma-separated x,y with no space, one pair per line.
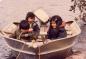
53,24
30,20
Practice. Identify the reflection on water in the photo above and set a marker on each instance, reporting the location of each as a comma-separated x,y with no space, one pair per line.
54,57
26,56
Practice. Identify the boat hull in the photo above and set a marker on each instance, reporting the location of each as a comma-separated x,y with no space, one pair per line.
56,48
48,49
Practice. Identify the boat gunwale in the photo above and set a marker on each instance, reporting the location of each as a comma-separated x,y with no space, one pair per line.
6,37
47,43
70,36
3,33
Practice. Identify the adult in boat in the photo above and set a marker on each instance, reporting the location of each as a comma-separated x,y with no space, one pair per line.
28,27
56,28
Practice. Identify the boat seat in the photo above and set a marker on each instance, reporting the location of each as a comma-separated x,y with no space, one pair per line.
71,30
10,28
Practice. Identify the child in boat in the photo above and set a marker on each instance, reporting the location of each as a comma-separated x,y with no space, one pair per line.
23,30
34,28
28,28
56,29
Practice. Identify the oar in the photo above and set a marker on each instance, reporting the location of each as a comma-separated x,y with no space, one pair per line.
69,22
16,23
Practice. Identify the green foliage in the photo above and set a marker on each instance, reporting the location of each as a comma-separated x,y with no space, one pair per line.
81,5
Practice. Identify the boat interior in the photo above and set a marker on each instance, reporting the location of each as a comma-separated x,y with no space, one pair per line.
71,27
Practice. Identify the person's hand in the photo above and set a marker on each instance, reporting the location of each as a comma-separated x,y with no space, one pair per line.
63,24
24,30
30,30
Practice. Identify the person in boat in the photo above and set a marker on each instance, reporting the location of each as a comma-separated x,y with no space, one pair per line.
23,30
28,28
34,28
56,28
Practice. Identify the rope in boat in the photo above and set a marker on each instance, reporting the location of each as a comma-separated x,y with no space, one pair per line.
21,47
19,37
39,53
20,52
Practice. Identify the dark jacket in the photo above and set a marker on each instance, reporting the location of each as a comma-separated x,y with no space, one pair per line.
56,33
29,35
52,33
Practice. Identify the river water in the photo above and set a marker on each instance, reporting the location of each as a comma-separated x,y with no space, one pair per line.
15,10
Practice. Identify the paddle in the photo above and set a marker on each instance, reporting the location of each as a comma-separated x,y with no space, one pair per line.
16,23
69,22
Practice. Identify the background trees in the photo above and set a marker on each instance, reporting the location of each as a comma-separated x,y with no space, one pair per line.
81,5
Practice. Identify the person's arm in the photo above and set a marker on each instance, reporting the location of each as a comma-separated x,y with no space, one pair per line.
63,24
24,30
36,28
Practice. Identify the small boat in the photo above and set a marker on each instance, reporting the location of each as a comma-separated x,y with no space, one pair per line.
46,47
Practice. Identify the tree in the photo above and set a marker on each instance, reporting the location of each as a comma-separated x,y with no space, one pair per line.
81,5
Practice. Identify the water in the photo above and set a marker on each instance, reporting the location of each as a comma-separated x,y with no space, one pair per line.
25,56
15,10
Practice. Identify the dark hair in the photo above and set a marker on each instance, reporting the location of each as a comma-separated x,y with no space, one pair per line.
24,25
57,19
51,25
30,15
